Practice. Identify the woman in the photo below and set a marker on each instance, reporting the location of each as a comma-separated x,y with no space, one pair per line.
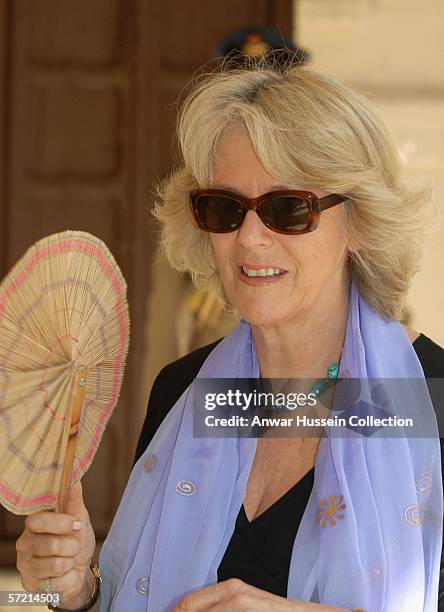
318,274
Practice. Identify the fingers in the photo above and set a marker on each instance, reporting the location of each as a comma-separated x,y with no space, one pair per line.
51,522
60,584
211,595
51,566
58,545
75,504
47,545
233,595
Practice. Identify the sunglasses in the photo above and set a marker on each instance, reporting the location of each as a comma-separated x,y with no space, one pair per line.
285,212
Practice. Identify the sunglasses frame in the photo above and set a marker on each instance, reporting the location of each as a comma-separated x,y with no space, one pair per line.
315,206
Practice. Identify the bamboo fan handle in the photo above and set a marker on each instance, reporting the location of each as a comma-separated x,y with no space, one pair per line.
76,412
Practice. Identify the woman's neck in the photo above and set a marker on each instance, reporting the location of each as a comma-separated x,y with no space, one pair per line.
306,346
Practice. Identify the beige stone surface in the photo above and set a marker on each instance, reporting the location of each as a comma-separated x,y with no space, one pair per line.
393,51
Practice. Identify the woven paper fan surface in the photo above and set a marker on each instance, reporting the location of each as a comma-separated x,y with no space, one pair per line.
64,334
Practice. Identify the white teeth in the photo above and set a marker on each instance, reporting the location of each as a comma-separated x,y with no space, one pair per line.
263,272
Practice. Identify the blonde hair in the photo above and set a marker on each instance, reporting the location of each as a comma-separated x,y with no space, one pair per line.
309,129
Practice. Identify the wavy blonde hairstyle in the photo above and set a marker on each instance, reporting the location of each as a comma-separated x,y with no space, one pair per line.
306,129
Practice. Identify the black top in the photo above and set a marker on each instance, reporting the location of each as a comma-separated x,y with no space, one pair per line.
259,552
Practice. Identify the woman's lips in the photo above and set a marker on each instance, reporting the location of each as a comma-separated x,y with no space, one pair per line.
256,281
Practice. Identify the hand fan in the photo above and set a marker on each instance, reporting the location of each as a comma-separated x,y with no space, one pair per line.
64,335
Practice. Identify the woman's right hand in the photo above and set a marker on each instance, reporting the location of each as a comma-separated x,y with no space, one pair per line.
54,545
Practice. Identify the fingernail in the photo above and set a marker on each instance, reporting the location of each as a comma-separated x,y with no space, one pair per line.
77,525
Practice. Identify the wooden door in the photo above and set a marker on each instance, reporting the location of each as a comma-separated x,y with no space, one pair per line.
86,121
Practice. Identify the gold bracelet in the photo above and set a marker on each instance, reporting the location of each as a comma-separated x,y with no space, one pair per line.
94,595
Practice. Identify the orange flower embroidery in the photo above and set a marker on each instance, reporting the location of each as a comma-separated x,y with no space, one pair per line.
330,510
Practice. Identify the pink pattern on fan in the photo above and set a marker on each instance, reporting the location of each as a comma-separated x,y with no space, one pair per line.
62,247
40,499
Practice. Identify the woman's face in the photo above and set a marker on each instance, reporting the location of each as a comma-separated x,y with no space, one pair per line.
314,263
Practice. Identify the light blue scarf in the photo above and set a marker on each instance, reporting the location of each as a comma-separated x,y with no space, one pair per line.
175,521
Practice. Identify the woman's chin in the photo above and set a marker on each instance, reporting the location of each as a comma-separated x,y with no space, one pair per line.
264,318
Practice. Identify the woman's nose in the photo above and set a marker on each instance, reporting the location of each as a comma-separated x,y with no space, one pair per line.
253,232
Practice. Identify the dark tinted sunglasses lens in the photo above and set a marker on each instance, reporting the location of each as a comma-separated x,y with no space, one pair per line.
288,214
219,212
